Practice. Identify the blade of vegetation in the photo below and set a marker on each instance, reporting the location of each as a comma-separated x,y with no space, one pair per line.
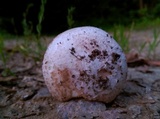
154,44
120,36
32,45
142,46
39,25
3,57
70,19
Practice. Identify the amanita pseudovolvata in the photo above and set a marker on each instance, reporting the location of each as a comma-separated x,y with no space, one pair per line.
84,62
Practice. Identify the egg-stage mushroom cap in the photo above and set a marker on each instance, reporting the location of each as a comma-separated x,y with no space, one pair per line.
84,62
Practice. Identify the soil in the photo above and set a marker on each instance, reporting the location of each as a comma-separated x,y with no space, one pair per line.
24,95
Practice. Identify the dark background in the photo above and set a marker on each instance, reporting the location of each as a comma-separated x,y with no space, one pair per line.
100,13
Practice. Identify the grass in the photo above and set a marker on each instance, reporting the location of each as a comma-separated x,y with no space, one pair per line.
122,37
39,25
151,45
122,34
27,32
154,43
33,45
70,20
142,46
2,51
147,23
4,57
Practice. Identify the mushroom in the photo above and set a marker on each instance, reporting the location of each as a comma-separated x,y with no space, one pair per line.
84,62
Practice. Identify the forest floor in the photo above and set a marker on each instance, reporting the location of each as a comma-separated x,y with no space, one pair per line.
24,95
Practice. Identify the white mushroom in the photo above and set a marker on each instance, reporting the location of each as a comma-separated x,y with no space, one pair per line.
84,62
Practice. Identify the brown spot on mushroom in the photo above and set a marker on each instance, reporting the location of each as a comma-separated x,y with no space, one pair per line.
111,67
115,57
77,56
94,54
93,42
105,53
86,47
107,35
73,50
103,73
73,76
84,77
63,82
103,83
93,76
